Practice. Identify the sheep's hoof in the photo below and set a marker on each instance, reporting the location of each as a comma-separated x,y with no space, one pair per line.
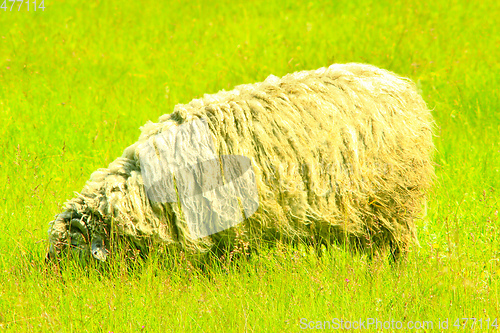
99,250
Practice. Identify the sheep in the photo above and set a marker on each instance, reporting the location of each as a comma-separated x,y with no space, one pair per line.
337,155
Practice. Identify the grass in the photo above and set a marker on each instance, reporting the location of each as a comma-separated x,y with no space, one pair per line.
78,79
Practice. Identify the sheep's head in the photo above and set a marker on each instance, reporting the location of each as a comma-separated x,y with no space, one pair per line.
72,236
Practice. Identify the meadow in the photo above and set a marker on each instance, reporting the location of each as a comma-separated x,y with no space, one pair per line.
79,78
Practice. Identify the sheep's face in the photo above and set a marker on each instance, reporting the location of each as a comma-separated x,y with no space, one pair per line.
78,243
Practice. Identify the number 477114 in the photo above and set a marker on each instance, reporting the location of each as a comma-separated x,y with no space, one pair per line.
29,5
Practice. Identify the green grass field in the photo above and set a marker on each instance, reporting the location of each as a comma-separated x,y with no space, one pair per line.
78,79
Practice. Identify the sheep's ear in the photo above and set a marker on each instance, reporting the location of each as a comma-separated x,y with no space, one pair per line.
98,248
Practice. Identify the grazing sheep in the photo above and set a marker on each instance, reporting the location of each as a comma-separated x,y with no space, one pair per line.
336,155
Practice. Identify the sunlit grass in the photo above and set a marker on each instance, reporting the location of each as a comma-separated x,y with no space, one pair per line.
78,80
